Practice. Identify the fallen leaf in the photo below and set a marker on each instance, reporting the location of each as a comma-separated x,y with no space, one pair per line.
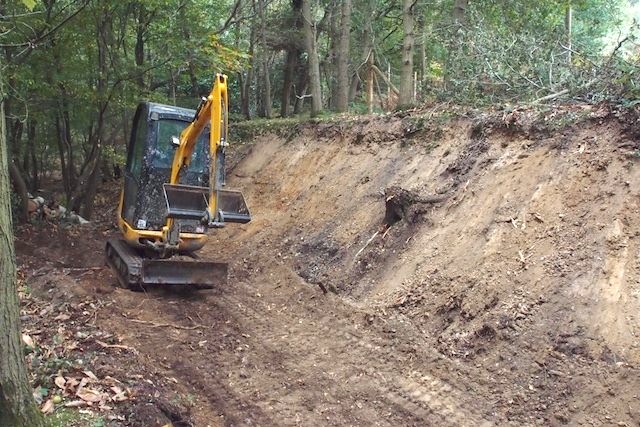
75,404
90,375
48,406
89,395
62,317
111,379
71,385
83,382
120,395
28,341
71,346
60,382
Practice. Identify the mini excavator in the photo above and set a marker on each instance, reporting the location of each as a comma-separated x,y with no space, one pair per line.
173,192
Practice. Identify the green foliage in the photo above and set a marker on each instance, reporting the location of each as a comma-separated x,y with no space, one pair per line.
168,51
29,4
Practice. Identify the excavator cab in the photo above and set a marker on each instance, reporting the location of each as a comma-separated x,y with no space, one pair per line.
173,193
148,169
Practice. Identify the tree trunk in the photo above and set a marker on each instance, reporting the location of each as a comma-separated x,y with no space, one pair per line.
34,181
568,23
370,76
422,57
300,89
455,39
328,65
17,408
287,84
264,64
459,11
342,69
20,187
84,192
245,103
406,72
86,209
313,60
361,74
292,62
139,48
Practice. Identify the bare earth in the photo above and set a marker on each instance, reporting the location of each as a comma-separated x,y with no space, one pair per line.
507,295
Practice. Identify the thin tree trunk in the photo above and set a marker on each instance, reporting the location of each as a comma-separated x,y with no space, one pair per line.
342,69
406,71
34,180
287,84
245,103
313,61
20,187
264,64
300,90
361,74
139,48
422,57
86,210
455,38
390,85
370,77
459,11
292,62
17,408
568,23
328,65
84,193
63,166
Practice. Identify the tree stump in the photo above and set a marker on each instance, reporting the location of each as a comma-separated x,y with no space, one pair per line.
407,205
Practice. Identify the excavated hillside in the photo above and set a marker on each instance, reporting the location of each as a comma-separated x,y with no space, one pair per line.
410,269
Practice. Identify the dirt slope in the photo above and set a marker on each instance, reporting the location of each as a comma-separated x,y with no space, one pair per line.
505,291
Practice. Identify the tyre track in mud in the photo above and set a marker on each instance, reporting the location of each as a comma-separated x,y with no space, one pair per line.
308,362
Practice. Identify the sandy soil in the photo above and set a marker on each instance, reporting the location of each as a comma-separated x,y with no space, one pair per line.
507,293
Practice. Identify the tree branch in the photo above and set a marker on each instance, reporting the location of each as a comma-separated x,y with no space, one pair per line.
33,43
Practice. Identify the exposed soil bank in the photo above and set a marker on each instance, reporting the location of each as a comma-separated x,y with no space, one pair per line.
410,271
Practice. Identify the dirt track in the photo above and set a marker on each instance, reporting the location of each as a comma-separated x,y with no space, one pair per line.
512,299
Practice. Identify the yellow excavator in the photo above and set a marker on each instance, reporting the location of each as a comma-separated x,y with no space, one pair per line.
173,192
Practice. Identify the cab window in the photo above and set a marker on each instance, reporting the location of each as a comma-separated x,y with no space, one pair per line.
162,152
137,151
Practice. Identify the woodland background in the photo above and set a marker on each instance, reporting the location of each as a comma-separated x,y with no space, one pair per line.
72,71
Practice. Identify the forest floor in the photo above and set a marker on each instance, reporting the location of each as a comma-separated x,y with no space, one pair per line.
410,269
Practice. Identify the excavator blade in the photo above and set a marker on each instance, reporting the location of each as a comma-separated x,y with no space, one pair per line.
203,274
136,272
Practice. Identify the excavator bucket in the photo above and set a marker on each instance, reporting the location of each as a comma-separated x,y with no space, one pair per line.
191,202
232,207
135,272
186,201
